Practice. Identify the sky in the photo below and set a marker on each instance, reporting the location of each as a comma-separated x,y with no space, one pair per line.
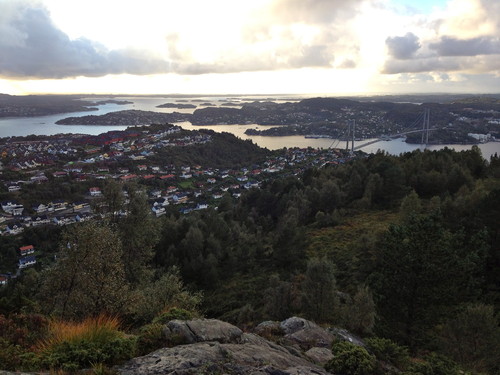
338,47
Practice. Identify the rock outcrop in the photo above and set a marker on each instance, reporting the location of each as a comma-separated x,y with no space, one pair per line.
208,346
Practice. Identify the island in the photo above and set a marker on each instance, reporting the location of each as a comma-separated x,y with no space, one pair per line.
128,117
113,101
42,105
466,120
176,105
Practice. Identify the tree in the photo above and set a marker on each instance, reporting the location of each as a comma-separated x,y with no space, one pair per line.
88,278
359,314
140,233
319,290
168,291
472,338
113,198
410,205
422,271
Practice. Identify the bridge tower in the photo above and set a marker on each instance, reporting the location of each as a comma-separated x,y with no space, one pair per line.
426,127
351,126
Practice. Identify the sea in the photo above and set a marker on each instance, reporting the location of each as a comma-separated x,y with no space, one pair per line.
46,125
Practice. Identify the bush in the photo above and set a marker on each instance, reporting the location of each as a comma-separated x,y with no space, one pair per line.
388,351
173,313
150,338
18,335
10,355
75,355
433,364
71,346
351,359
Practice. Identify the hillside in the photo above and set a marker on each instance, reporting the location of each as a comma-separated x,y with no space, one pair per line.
402,249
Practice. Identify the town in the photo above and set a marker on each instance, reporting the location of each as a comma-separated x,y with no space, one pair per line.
60,180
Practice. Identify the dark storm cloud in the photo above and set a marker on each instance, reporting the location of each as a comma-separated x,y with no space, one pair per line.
403,47
449,46
33,47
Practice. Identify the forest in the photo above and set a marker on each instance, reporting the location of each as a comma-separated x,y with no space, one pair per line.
401,250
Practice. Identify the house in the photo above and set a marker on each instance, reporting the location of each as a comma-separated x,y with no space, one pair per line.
211,180
95,191
26,250
82,217
14,228
158,210
167,176
128,177
27,261
3,280
201,206
155,193
12,207
59,174
13,188
59,204
180,198
40,220
80,205
63,220
40,208
160,202
39,179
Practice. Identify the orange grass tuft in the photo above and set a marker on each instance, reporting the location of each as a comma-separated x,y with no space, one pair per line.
96,329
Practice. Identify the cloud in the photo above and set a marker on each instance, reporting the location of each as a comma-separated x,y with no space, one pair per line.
421,65
313,11
463,39
403,47
284,34
450,46
31,46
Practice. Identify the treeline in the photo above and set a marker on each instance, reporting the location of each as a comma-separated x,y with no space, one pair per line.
406,248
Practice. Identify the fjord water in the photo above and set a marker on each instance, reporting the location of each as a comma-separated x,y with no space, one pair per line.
46,125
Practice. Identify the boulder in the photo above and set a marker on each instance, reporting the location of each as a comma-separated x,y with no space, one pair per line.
214,357
269,328
294,324
341,334
320,356
305,334
201,330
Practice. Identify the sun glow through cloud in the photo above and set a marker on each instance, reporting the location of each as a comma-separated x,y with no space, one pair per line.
262,46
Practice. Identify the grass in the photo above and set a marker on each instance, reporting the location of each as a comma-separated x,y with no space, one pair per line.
100,329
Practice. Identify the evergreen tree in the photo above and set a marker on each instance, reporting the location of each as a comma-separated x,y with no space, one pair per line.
319,290
422,271
140,233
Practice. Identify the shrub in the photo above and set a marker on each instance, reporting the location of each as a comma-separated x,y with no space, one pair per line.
71,345
18,335
75,355
350,359
150,338
388,351
173,313
433,364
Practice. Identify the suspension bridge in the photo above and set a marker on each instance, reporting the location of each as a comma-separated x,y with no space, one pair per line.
349,133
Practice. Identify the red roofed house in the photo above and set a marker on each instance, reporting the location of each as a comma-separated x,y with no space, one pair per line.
26,250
